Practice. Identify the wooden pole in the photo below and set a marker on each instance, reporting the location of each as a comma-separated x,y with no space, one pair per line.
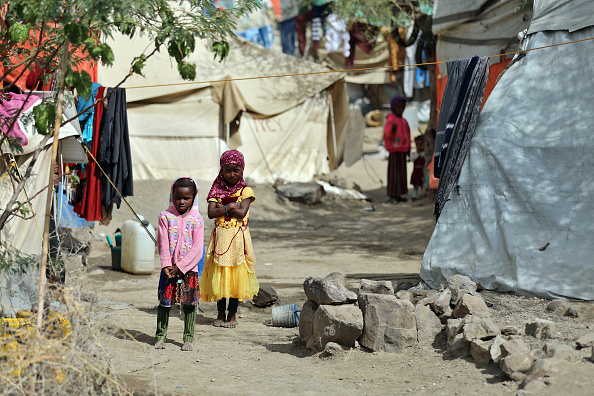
48,206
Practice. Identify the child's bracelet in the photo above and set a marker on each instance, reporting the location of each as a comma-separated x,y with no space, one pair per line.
226,211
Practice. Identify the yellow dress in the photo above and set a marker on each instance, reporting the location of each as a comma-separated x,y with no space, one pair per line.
230,263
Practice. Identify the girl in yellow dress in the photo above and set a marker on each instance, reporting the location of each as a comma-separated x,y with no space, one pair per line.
229,268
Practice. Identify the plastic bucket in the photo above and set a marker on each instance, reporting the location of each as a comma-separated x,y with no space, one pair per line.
286,316
118,239
116,258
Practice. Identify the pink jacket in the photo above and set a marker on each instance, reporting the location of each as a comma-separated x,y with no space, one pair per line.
181,238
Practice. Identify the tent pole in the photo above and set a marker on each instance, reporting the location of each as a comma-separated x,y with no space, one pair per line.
48,206
333,133
228,134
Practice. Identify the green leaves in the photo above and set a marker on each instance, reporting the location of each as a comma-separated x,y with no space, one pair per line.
81,81
186,70
221,49
76,32
138,64
19,32
44,116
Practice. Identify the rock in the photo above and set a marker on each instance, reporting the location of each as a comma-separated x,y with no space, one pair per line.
338,277
573,311
558,306
404,295
332,349
401,285
510,330
430,297
306,319
514,346
543,368
324,291
495,350
446,315
560,351
540,328
469,305
458,347
428,325
441,304
481,351
585,341
75,240
266,297
458,286
517,365
453,328
342,324
307,193
390,323
376,287
338,182
479,329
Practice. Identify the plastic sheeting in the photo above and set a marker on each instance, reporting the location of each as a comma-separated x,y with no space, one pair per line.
521,216
469,28
570,15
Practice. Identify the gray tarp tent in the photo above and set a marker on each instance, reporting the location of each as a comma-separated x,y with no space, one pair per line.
522,216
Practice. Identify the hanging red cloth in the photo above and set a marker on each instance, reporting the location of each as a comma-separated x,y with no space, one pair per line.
90,206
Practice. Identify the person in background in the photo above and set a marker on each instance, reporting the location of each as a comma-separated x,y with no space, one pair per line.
418,159
230,265
397,142
181,242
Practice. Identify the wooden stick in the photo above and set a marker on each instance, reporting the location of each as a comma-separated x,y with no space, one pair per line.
48,206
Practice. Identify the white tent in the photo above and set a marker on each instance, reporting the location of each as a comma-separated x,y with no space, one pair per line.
522,216
288,127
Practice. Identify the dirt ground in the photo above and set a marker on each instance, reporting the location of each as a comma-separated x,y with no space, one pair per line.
293,242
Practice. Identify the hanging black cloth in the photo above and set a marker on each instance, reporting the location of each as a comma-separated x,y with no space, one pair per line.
116,158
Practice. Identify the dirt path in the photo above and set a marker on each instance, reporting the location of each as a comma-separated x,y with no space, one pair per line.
293,242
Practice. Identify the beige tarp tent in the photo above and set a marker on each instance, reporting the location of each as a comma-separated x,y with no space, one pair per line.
300,121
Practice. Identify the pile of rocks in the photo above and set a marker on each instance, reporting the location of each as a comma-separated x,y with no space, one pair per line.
334,319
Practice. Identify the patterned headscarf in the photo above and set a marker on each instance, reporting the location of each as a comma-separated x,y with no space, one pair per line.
194,208
395,101
220,188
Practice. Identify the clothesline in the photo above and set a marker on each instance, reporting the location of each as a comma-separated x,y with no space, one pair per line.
375,68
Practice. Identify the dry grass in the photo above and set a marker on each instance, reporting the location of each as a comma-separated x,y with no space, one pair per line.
58,360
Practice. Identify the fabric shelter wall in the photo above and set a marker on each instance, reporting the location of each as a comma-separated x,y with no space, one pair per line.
520,219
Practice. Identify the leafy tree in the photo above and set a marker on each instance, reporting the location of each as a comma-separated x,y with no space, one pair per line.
37,32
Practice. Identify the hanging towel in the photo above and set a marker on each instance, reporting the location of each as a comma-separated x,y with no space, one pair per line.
458,117
337,36
287,33
116,158
86,118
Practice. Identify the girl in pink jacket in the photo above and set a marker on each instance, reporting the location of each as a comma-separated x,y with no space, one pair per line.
180,241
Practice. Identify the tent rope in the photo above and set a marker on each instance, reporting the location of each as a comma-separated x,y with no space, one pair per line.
118,191
375,68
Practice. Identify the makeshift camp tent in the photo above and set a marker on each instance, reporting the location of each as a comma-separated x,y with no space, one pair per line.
468,28
521,217
295,126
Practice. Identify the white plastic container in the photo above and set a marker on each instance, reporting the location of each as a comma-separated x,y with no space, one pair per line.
138,249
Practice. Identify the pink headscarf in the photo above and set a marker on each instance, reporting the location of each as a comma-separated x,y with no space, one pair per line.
220,188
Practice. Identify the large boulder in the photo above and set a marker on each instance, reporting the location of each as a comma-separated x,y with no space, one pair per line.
307,193
376,287
469,305
306,319
266,297
477,328
327,292
516,366
459,285
428,324
390,323
341,324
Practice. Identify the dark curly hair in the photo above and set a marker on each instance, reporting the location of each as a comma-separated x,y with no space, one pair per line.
185,182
